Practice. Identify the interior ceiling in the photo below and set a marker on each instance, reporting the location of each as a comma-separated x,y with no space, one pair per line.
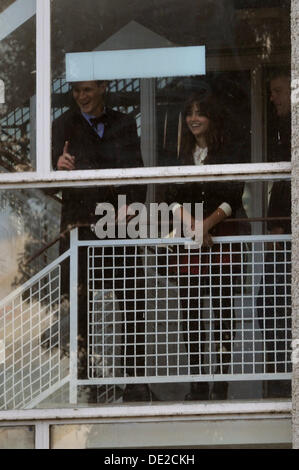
215,23
218,24
181,22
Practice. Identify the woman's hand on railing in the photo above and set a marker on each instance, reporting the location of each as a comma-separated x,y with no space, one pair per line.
207,240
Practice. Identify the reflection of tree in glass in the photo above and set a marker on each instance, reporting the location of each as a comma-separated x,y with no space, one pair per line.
14,153
35,218
17,73
263,25
41,225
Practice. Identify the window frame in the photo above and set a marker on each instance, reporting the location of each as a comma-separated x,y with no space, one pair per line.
229,413
45,177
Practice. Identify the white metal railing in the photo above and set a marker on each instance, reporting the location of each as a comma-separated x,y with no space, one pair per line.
228,304
30,367
149,320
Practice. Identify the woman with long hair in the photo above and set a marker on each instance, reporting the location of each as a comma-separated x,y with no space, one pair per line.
204,142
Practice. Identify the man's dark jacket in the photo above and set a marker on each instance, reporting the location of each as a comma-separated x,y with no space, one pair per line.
280,200
119,148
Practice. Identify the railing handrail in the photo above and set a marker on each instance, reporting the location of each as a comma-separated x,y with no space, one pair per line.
184,241
139,241
68,230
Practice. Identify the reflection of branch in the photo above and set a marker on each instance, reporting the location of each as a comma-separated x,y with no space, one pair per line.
14,154
23,167
8,154
4,164
48,245
23,273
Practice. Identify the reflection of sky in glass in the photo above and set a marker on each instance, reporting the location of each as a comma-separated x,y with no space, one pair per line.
138,63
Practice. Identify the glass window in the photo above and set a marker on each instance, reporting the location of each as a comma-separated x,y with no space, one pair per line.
123,308
240,48
17,437
201,434
145,300
17,87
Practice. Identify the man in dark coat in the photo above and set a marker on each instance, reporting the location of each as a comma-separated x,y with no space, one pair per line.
92,136
80,143
274,297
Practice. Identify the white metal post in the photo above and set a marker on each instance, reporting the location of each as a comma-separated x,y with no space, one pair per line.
43,87
73,314
33,131
42,436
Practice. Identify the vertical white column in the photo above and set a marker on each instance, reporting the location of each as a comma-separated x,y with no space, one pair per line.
42,435
43,86
33,131
73,314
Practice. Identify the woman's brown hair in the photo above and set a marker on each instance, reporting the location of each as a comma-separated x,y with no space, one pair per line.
209,108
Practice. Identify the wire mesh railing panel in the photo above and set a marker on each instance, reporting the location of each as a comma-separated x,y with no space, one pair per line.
156,313
30,341
164,313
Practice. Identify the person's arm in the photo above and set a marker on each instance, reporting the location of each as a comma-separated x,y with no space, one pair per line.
227,199
209,222
220,214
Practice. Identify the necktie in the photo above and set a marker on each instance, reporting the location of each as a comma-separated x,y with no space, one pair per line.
98,124
98,120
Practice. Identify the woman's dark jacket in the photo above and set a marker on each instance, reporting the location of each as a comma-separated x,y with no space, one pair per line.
212,194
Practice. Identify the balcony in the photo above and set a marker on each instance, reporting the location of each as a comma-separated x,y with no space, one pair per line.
154,319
